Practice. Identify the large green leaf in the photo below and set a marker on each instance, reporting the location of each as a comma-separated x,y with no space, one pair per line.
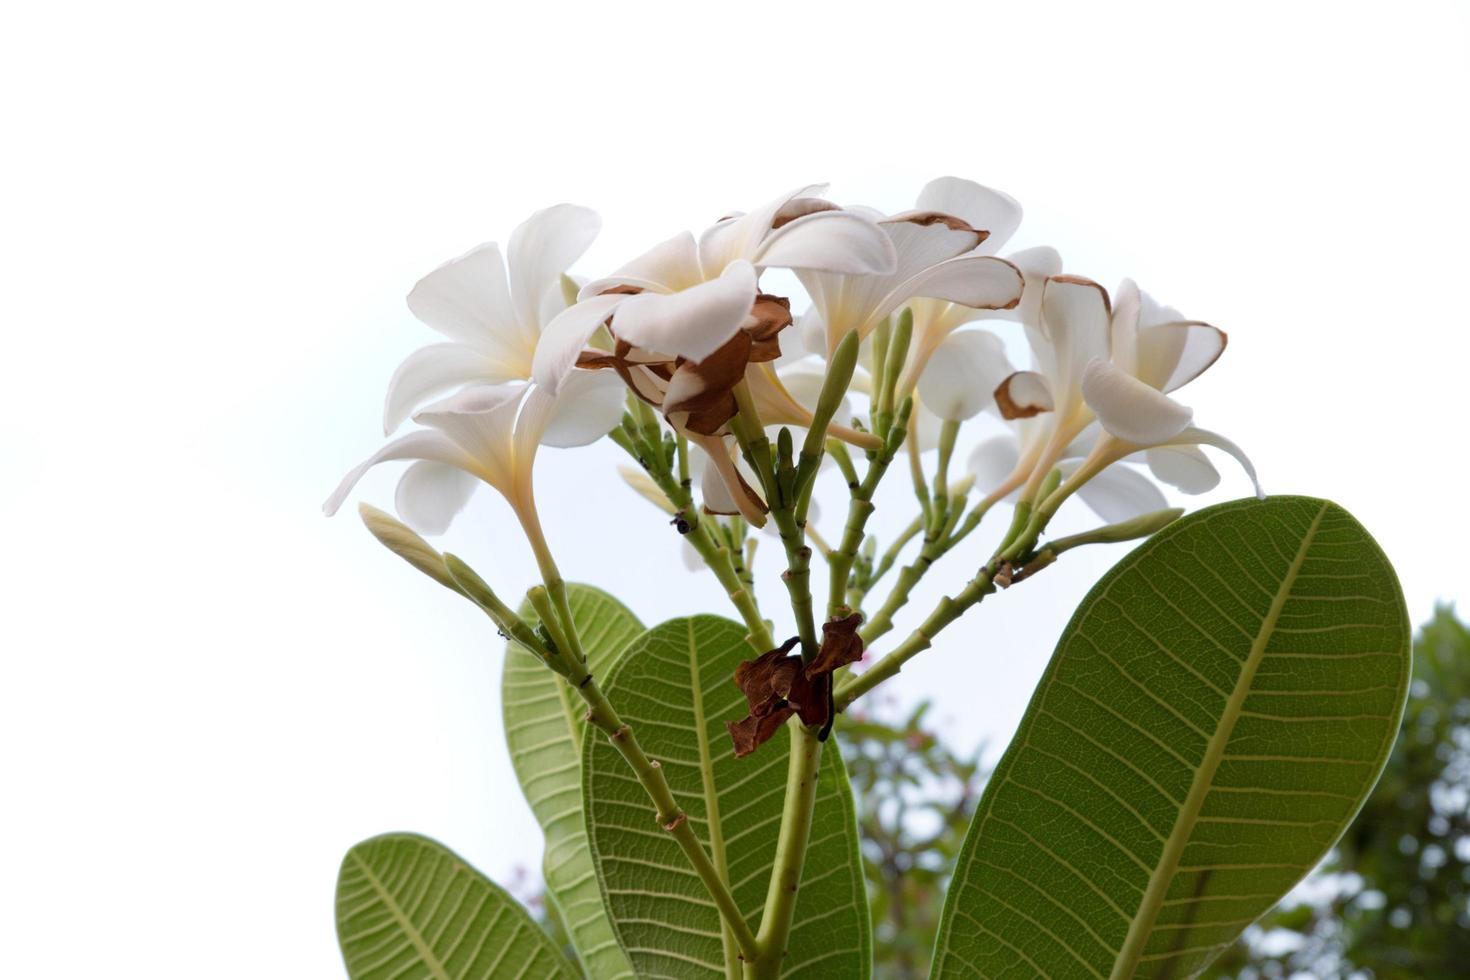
1213,717
410,908
674,686
544,719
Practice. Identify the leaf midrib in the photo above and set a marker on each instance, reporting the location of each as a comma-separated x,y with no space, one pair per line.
414,936
1141,928
711,797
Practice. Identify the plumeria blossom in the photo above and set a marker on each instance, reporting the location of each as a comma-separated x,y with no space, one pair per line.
1112,365
1114,493
685,300
688,322
1154,352
937,247
490,434
493,320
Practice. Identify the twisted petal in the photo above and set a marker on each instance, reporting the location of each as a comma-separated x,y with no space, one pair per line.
543,247
1183,467
1130,409
567,335
960,380
1170,355
1193,436
1075,322
982,282
430,493
739,237
668,267
981,207
433,370
1023,394
1120,493
692,323
835,241
423,444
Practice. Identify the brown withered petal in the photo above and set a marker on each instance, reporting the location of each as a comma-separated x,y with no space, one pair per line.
800,207
753,677
771,314
699,387
841,645
621,291
752,731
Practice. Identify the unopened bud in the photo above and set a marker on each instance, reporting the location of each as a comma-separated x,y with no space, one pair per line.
646,488
1129,530
400,539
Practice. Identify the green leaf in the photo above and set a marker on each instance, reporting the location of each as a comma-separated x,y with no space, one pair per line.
674,686
1215,714
408,906
544,720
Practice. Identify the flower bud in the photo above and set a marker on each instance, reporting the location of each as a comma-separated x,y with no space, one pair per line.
398,538
1129,530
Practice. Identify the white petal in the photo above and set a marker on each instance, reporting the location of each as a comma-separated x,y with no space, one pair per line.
422,444
541,249
1076,321
1194,436
1036,265
739,237
1170,355
1129,409
1183,467
431,371
829,241
719,477
977,281
981,207
467,300
1125,327
481,420
1022,395
993,461
566,337
430,494
666,268
960,380
588,406
804,383
1120,493
694,322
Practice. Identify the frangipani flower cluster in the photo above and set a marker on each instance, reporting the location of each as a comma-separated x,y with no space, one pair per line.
738,405
533,359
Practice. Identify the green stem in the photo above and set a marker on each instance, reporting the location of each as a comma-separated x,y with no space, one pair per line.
670,816
947,611
796,826
859,509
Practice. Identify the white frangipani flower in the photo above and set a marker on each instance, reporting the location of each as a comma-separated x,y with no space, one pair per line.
1154,352
489,433
687,299
936,246
493,322
1116,493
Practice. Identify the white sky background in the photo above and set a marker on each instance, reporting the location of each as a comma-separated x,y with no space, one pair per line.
211,215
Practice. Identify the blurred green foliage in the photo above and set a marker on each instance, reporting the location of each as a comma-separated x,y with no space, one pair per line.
915,797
